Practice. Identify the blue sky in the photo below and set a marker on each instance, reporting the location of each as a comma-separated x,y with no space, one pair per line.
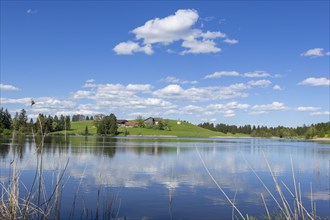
235,62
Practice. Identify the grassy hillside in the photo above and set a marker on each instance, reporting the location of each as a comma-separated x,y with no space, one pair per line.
78,128
183,130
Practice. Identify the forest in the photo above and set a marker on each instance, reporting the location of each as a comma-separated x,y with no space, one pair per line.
319,130
19,124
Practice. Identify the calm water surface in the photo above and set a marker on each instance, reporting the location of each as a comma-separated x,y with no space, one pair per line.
142,178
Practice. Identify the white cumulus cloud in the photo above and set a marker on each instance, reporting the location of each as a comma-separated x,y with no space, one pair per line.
129,48
177,27
174,80
195,94
307,108
143,88
196,46
5,87
90,80
315,52
221,73
169,29
277,87
256,74
315,81
212,35
230,41
260,83
321,113
274,106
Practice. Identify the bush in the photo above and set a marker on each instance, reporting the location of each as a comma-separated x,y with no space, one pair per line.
6,132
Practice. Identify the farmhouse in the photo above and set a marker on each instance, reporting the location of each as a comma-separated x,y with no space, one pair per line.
153,121
121,122
131,124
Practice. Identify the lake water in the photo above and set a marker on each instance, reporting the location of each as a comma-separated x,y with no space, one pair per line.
164,178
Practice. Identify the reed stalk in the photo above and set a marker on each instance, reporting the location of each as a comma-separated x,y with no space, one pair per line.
219,187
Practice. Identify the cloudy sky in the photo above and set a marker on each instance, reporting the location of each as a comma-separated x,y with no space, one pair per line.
263,63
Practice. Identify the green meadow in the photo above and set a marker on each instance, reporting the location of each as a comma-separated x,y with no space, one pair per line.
176,130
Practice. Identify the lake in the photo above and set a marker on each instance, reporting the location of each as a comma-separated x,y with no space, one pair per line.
169,178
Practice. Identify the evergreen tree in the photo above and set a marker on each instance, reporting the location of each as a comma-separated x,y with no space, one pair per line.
55,123
22,121
49,124
67,123
61,123
113,124
31,125
5,120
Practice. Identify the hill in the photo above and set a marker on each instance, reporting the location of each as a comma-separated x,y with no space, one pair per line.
78,128
183,130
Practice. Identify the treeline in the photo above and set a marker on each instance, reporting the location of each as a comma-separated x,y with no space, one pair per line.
20,123
314,130
106,125
79,117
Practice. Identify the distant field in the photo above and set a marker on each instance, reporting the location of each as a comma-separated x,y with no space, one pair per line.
183,130
78,128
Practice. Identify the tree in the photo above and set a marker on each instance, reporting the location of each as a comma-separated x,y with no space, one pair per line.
160,125
310,133
67,123
86,131
78,117
61,123
321,133
140,121
107,125
113,124
99,117
5,120
22,121
55,123
49,124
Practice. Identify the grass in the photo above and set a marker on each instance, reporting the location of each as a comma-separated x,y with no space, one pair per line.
78,128
183,130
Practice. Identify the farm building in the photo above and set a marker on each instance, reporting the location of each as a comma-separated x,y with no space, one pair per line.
153,121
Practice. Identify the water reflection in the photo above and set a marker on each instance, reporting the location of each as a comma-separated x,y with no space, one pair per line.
170,169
